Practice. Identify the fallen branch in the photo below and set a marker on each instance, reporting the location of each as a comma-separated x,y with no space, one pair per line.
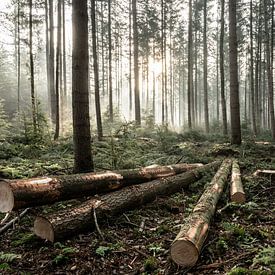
80,218
10,223
236,189
270,174
46,190
186,247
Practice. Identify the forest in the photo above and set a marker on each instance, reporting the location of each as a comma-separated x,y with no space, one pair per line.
137,137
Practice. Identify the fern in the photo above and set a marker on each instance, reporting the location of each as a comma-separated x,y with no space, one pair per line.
9,257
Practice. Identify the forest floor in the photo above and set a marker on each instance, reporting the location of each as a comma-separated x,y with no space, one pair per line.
241,239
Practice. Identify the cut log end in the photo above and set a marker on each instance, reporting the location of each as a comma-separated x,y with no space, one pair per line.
43,229
6,198
238,197
184,253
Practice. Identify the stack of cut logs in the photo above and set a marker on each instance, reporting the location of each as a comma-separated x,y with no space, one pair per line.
124,190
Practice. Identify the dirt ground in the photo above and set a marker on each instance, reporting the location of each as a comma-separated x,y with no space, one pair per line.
240,241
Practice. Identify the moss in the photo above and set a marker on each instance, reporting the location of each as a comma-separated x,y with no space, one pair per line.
150,264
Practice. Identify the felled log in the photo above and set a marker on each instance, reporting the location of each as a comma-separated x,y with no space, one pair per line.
45,190
75,220
270,174
236,189
187,245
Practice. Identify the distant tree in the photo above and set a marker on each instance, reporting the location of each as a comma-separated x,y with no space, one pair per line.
111,112
83,161
96,74
223,102
234,82
136,66
205,68
33,100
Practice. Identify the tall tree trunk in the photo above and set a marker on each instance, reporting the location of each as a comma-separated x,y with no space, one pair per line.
269,70
64,54
33,103
234,84
57,71
51,63
130,61
96,76
223,102
254,127
111,113
136,66
18,57
80,96
190,65
205,70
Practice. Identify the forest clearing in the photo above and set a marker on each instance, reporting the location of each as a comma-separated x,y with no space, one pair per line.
137,137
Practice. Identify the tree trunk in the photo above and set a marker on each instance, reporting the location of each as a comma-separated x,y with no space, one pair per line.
51,63
46,190
205,71
57,71
83,161
80,218
234,82
236,189
187,245
223,102
96,76
33,103
111,112
136,66
269,73
18,57
254,127
64,56
130,61
190,65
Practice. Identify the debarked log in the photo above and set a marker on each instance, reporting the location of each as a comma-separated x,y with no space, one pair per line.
187,245
236,189
46,190
269,174
78,219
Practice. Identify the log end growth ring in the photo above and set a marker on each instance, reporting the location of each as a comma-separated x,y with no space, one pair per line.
43,229
184,253
6,197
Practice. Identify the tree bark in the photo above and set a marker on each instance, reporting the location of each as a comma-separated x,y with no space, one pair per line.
190,66
223,102
187,245
96,74
136,65
83,161
236,189
111,112
234,82
205,71
57,72
45,190
80,218
33,103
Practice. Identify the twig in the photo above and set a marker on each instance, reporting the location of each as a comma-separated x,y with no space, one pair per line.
9,224
5,218
215,265
142,225
95,219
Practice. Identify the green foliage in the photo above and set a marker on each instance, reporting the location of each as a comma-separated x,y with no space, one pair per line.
266,257
64,254
222,245
4,124
193,136
9,257
245,271
155,248
5,266
150,264
23,238
102,250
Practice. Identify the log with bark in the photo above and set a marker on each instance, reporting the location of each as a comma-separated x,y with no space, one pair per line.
78,219
236,189
187,245
269,174
46,190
